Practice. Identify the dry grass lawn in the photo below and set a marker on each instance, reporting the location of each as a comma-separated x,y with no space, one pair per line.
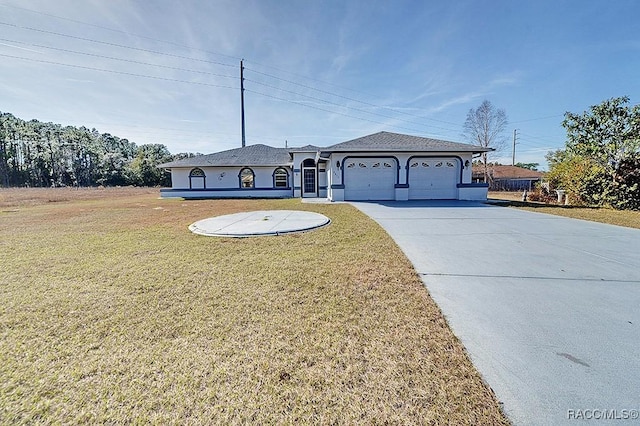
112,312
627,218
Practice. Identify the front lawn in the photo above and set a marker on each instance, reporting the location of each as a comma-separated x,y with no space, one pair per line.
112,312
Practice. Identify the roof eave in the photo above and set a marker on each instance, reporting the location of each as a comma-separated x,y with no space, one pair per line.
439,151
182,166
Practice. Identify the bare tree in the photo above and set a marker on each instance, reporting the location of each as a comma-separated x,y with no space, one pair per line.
485,127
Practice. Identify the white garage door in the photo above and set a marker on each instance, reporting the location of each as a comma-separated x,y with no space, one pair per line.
433,178
370,179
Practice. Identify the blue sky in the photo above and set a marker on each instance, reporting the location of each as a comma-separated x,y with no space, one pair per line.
316,72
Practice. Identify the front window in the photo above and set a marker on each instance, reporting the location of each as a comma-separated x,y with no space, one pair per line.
247,178
280,178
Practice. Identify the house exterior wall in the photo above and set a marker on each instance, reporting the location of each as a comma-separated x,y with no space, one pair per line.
224,182
322,179
473,191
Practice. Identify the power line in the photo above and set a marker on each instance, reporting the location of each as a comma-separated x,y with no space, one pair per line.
119,31
544,139
181,57
118,72
538,118
225,76
343,106
331,112
175,44
118,59
223,64
237,58
351,99
116,45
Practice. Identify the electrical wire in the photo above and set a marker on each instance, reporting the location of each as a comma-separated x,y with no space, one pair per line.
118,59
118,31
116,45
118,72
329,111
351,99
525,140
343,106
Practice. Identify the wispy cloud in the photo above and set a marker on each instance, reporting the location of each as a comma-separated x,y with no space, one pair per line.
484,90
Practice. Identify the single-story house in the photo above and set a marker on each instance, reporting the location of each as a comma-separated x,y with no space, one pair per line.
507,178
381,166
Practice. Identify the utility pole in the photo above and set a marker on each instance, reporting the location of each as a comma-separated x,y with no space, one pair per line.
242,100
513,158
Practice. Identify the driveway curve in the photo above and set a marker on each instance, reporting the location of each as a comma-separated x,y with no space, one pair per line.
548,307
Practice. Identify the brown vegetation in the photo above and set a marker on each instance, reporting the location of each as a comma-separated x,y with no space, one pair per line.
628,218
112,312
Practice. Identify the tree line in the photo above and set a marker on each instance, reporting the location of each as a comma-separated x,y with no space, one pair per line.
37,154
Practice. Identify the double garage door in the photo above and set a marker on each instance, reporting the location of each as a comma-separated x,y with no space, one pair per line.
375,178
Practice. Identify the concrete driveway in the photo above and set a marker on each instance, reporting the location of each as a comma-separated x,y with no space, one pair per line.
547,307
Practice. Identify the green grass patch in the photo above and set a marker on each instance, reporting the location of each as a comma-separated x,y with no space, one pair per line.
111,311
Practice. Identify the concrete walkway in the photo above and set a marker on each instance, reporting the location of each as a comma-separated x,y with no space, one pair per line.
547,307
259,223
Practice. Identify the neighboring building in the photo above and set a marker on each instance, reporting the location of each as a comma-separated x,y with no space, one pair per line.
507,178
381,166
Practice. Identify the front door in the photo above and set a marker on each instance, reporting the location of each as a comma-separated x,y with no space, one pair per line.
309,186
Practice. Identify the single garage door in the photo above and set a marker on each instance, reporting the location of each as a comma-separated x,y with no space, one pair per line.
433,178
370,178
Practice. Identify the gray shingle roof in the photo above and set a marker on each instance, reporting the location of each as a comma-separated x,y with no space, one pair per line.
386,141
264,155
252,155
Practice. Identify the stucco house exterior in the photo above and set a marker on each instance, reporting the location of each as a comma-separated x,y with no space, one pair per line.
381,166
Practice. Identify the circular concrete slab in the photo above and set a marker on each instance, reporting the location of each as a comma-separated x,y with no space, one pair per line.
258,223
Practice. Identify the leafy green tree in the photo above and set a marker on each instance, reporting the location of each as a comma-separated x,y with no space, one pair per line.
115,156
608,132
183,155
601,161
144,169
530,166
625,188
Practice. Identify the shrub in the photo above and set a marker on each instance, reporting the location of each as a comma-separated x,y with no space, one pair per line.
583,180
542,194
